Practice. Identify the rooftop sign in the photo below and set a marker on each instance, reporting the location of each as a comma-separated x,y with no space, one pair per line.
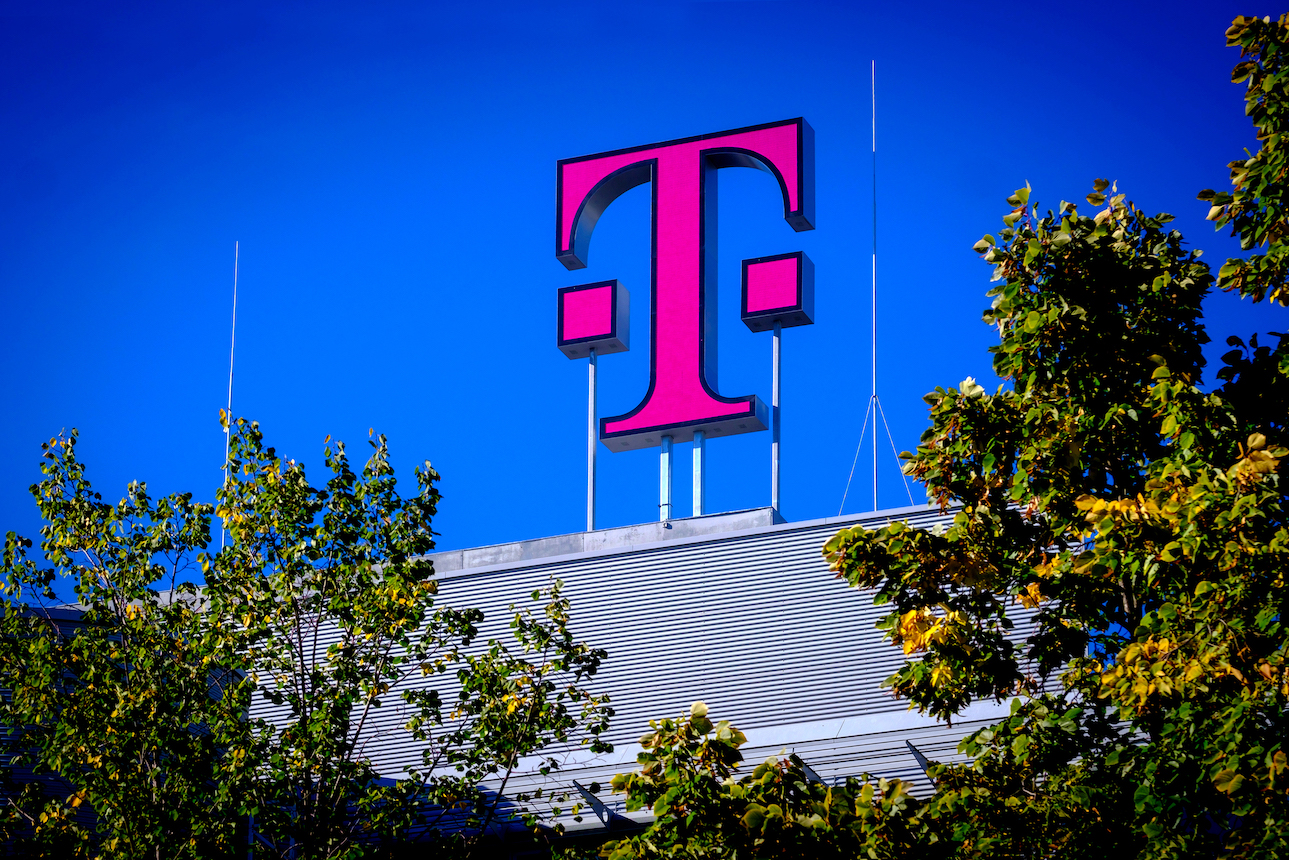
682,397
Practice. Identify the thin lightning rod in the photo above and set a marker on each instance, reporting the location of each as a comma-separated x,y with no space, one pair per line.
873,80
232,344
874,404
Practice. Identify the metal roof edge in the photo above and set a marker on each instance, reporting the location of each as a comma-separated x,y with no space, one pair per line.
789,736
520,555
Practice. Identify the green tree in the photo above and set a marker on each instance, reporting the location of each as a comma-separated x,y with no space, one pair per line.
131,733
1257,207
1137,517
116,708
331,601
703,809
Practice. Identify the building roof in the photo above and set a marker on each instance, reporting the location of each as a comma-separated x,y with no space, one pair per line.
738,610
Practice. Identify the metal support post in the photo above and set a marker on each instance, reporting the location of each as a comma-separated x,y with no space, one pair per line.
774,417
700,482
590,447
664,488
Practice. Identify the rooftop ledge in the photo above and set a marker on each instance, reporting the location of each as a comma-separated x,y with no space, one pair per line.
626,538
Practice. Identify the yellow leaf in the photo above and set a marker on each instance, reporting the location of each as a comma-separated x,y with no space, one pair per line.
1031,597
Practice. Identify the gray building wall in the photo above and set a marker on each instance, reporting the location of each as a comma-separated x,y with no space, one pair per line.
738,610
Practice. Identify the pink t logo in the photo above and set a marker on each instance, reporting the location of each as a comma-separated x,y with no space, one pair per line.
682,395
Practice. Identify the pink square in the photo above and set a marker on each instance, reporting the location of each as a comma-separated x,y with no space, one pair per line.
772,285
588,313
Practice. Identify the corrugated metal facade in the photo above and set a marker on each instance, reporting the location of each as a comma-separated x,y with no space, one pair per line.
750,621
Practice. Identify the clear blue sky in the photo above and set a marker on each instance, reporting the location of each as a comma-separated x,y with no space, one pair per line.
388,169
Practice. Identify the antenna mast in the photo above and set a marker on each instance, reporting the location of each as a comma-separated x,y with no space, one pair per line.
874,403
232,343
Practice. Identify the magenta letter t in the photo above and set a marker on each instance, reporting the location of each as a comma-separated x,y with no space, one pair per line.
682,396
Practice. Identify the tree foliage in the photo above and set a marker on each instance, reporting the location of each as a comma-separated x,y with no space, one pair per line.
330,597
191,721
1136,517
120,726
703,809
1257,207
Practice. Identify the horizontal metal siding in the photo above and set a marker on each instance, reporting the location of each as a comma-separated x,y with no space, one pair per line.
753,624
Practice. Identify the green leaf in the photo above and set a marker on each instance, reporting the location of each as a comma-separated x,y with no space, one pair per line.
1228,781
